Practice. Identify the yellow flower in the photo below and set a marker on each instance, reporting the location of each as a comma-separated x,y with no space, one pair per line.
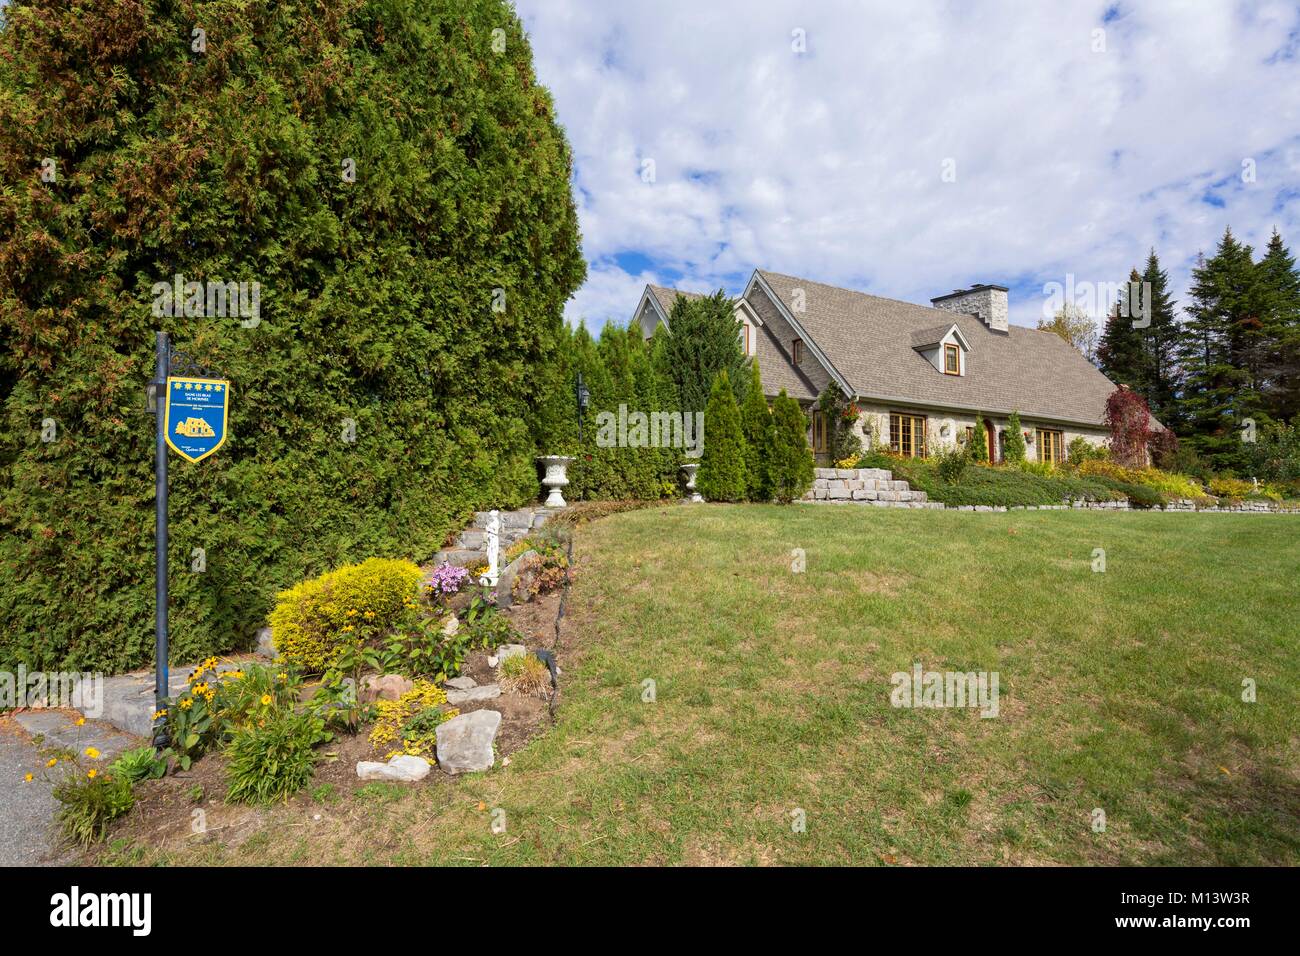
160,713
92,753
91,773
186,703
235,675
369,615
81,721
352,613
349,627
52,761
27,777
266,700
282,676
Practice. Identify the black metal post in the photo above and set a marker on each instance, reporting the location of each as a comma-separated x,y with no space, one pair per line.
163,349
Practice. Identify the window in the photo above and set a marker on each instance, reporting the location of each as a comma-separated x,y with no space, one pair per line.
1050,447
907,435
951,360
744,337
796,351
820,442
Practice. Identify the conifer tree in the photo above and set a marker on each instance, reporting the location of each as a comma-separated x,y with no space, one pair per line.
1121,353
722,475
790,466
979,450
1015,450
756,422
702,341
1280,318
1160,378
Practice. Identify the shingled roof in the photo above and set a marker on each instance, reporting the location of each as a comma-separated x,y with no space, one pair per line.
665,297
870,342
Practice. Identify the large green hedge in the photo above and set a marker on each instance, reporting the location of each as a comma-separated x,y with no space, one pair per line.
376,297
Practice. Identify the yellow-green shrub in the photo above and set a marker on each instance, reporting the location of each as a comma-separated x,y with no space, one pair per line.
1231,487
1167,483
310,619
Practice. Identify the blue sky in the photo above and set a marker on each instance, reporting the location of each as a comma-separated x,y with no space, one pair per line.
812,138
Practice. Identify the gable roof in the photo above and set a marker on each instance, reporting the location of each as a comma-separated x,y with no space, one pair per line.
871,344
664,298
929,338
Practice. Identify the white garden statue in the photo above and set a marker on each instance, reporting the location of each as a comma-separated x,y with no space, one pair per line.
493,536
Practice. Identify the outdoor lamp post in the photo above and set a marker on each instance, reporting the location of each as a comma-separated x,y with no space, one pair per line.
584,399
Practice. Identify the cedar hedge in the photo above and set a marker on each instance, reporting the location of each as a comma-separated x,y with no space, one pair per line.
376,298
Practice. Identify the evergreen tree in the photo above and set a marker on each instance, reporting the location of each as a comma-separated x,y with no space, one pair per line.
1279,296
1221,355
756,422
1121,354
1160,379
979,450
722,474
1015,450
702,341
790,467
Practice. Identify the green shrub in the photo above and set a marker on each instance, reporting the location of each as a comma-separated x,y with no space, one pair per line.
979,443
722,474
1080,450
999,485
272,758
1015,448
314,619
1233,488
951,464
376,304
525,674
791,466
142,763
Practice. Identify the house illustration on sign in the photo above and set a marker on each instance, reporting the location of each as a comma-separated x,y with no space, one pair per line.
194,428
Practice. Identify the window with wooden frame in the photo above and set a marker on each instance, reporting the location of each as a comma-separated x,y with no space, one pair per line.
907,434
1051,447
796,351
951,360
820,436
745,333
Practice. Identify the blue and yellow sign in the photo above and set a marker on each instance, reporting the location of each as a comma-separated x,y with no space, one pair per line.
196,416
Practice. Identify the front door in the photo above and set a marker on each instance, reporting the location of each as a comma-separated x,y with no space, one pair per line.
991,436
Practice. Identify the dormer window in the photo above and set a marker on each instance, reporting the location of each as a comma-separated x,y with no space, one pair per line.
951,359
796,351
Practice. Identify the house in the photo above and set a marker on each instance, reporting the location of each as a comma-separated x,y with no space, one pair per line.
920,375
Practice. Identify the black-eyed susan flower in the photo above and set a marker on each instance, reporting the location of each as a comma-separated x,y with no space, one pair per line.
92,753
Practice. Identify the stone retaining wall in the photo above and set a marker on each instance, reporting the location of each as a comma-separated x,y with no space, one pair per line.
876,486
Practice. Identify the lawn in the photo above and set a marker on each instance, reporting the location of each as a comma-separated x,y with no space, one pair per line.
1120,690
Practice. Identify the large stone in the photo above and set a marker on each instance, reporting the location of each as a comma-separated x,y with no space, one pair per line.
472,694
517,577
265,643
387,687
462,683
465,742
403,767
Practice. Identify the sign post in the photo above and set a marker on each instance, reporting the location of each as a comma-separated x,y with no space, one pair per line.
191,415
163,349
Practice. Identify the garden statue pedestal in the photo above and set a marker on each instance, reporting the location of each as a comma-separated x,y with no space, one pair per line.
692,496
556,477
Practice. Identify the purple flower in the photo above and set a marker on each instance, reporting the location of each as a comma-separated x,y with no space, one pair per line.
446,580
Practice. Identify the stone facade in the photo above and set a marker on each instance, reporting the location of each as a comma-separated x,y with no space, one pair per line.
987,302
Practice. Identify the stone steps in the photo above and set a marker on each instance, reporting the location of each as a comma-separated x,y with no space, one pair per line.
470,546
872,486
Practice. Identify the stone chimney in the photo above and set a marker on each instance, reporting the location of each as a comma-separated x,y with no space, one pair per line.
988,302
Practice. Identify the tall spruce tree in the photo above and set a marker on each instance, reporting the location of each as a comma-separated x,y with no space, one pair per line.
790,467
756,422
1279,296
1221,352
1121,353
1160,380
722,475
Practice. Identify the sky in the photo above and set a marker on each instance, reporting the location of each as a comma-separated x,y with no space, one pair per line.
908,149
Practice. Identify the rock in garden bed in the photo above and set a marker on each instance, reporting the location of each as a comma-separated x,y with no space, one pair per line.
465,742
398,768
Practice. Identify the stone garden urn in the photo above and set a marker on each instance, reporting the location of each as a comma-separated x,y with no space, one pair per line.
689,470
556,477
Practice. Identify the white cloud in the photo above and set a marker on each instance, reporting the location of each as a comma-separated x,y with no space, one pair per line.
827,164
